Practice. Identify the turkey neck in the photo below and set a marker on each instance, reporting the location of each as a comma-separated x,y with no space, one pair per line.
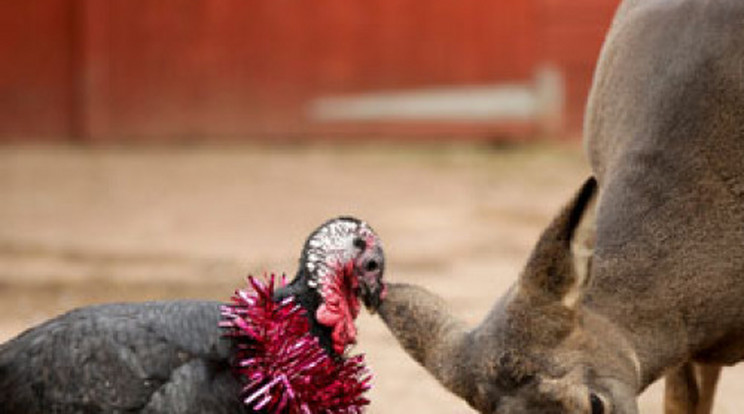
310,300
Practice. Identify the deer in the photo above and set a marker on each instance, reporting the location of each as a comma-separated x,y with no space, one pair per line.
641,275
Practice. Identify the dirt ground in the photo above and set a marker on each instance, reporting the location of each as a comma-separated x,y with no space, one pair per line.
81,226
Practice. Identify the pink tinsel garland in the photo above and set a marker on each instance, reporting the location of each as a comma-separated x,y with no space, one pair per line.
282,366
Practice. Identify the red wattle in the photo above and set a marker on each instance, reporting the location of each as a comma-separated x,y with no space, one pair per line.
340,307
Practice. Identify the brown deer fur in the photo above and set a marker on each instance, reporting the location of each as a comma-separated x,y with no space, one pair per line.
663,291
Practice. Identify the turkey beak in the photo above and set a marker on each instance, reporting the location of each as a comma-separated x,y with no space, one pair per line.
370,268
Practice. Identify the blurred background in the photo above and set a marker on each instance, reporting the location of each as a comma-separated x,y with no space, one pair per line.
166,149
200,70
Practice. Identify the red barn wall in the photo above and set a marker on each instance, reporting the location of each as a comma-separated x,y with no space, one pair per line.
173,70
37,79
572,33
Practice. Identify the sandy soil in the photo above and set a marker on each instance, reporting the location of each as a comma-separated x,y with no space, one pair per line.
81,226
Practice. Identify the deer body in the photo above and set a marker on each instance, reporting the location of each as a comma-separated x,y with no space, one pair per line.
642,273
665,136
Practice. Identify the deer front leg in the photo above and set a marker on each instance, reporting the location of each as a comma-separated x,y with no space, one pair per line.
680,390
707,378
690,388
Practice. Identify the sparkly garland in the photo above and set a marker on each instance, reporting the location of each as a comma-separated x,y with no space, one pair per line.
281,365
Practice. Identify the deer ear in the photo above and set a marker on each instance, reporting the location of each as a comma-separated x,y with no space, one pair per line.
431,335
582,249
558,268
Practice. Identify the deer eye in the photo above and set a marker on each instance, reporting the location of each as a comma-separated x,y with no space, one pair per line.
596,403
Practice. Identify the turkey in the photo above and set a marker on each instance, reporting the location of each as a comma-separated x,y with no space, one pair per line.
172,357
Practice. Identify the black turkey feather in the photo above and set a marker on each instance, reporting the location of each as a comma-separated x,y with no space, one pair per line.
172,356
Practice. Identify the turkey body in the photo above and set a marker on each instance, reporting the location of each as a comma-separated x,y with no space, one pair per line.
153,357
172,357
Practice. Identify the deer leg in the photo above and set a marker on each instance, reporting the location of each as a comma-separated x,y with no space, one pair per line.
707,379
681,390
690,388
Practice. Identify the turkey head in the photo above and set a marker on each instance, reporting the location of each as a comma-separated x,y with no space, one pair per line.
340,260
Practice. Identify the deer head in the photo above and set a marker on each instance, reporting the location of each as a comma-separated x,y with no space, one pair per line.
541,349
